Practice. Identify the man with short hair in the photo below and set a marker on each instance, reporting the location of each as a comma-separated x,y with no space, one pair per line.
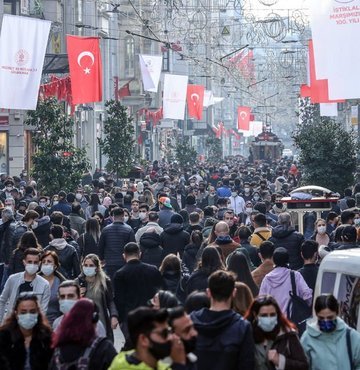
134,283
347,217
309,253
112,241
77,222
229,218
68,295
284,235
152,340
194,222
63,206
225,339
261,232
266,251
237,203
25,281
224,191
153,218
134,221
349,238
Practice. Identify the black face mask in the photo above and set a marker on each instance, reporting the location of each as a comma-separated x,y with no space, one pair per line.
160,350
190,344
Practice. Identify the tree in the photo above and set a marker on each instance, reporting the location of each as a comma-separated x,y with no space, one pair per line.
327,151
57,163
185,153
118,143
214,148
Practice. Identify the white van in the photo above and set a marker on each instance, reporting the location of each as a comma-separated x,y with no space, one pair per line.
339,274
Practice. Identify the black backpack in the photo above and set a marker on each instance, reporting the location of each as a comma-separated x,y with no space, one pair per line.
82,363
298,311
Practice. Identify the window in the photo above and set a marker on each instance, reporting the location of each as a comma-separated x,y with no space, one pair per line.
166,61
129,57
328,282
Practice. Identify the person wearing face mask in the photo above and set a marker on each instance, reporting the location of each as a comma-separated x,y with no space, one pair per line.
152,340
25,338
95,285
237,203
247,192
76,343
27,281
329,343
277,344
49,265
320,235
6,193
80,198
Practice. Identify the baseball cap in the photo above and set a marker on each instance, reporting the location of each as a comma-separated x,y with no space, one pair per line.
166,202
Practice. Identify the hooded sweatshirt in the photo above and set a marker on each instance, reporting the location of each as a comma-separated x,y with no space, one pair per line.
278,284
224,340
174,239
329,350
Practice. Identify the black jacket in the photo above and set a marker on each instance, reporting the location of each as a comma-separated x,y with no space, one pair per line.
189,257
13,352
42,232
151,251
224,340
19,229
134,284
252,251
174,239
309,273
16,262
7,231
87,245
171,281
291,240
197,281
112,241
101,356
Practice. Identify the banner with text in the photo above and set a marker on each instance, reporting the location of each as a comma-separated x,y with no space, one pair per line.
175,88
150,66
23,44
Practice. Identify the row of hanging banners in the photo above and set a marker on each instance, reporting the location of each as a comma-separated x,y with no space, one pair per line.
332,78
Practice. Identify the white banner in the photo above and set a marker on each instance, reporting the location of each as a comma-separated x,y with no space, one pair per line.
335,26
328,109
175,89
23,44
208,98
150,66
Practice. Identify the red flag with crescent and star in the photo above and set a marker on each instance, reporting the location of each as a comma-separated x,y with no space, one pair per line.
244,118
85,69
195,100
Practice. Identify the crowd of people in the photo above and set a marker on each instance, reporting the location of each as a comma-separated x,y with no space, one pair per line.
200,269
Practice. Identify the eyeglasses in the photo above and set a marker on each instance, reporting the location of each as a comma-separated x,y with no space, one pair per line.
164,333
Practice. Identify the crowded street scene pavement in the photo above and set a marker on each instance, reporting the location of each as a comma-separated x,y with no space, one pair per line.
179,185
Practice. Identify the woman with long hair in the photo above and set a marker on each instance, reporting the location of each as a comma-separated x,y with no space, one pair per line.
191,250
277,344
89,241
170,270
239,265
27,240
95,285
25,338
149,198
209,263
75,343
243,298
49,270
320,234
164,299
94,206
328,342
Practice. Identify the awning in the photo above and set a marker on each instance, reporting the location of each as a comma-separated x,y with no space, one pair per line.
56,63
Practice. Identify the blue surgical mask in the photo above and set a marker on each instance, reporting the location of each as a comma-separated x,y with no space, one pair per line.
327,326
266,323
28,320
66,305
89,271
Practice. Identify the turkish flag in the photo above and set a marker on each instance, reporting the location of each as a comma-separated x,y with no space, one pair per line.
195,100
85,69
318,91
244,118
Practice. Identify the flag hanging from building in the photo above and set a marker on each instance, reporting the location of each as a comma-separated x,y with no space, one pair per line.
23,44
150,66
85,69
175,88
244,118
195,100
244,62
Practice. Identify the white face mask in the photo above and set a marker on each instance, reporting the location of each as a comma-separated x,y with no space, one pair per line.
78,196
31,269
89,271
142,215
9,188
248,210
126,219
34,225
55,202
234,194
47,270
247,190
321,229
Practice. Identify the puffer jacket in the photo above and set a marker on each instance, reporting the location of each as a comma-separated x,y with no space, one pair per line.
174,239
151,250
291,240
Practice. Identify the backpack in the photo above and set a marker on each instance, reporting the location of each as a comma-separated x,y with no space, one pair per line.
82,363
298,311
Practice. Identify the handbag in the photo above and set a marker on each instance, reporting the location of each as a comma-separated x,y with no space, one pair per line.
298,311
349,349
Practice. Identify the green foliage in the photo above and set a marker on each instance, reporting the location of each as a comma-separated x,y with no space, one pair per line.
119,143
327,152
214,148
185,153
57,163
